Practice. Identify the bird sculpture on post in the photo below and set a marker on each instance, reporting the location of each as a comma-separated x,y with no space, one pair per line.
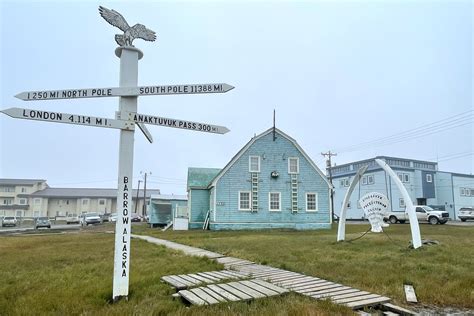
130,33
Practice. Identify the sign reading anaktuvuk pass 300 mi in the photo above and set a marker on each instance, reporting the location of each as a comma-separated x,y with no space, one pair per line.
127,118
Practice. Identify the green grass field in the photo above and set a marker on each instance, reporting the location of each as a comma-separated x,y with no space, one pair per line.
71,274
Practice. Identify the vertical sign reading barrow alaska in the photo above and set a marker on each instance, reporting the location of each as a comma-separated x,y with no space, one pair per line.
127,118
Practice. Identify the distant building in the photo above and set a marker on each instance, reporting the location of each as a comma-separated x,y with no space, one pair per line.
34,198
425,184
164,209
270,183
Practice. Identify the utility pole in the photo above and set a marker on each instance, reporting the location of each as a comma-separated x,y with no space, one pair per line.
329,154
144,194
136,200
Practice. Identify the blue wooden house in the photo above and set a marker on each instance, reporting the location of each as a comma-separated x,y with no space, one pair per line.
270,183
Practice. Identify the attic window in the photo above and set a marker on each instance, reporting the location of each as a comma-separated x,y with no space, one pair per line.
254,164
293,165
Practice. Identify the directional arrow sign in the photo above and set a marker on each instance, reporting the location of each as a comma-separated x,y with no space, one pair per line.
175,123
124,91
58,117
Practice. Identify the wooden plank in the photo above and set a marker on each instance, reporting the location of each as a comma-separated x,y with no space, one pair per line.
390,314
369,302
173,282
356,298
297,281
206,275
305,284
338,292
277,276
270,286
274,273
222,276
200,278
410,294
398,309
246,289
190,279
215,275
192,298
234,291
224,293
203,295
362,313
324,289
213,294
288,277
310,285
259,288
234,273
177,278
227,259
348,295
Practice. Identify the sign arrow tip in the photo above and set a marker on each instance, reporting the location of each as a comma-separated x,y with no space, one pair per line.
19,96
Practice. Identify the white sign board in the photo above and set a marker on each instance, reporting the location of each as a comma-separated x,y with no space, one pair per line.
124,91
176,123
375,205
67,118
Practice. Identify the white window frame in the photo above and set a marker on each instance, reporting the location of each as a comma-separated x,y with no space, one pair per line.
401,203
364,180
37,201
315,202
87,202
270,202
370,177
20,212
23,190
20,200
250,164
429,177
36,214
250,201
462,191
102,200
297,165
467,191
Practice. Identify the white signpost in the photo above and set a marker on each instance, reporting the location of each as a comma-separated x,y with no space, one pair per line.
124,91
127,118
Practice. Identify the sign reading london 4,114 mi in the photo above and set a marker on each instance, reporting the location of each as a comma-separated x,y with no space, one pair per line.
124,91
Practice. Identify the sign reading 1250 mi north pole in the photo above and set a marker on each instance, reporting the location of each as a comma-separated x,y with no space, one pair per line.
126,119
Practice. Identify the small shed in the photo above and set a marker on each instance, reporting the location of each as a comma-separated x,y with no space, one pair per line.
164,208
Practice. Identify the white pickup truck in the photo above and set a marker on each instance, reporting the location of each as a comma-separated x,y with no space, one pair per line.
423,213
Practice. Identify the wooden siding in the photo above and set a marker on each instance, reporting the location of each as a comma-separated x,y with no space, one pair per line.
274,157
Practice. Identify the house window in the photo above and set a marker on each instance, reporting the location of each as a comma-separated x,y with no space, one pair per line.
101,201
293,165
7,202
345,182
22,201
311,202
85,201
36,213
19,213
37,201
368,180
274,201
462,191
404,177
467,192
244,201
402,203
429,178
67,202
254,164
23,190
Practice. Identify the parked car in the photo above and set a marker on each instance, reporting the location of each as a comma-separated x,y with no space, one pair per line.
466,213
89,219
135,218
424,213
9,221
72,219
105,217
113,217
42,222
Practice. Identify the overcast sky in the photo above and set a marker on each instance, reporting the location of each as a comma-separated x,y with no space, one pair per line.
338,73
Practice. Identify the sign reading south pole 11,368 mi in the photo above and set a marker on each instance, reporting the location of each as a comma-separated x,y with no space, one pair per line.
124,91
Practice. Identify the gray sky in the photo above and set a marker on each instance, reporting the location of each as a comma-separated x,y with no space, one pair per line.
338,73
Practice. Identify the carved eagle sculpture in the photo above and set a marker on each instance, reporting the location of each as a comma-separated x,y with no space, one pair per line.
130,33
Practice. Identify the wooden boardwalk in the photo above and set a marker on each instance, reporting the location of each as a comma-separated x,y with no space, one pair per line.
265,281
231,292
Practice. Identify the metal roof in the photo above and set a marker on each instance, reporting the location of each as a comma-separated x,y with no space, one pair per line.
20,181
87,193
201,177
169,197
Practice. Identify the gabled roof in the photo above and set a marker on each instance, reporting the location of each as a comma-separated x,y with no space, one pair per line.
253,140
20,181
86,193
200,178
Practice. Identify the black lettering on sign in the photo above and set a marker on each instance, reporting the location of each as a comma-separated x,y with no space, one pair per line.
125,231
125,203
125,179
124,248
125,220
124,273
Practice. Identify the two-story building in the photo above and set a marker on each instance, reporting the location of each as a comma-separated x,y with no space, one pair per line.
14,196
270,183
425,184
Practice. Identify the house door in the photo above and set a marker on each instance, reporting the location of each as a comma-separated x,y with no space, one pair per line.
421,201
